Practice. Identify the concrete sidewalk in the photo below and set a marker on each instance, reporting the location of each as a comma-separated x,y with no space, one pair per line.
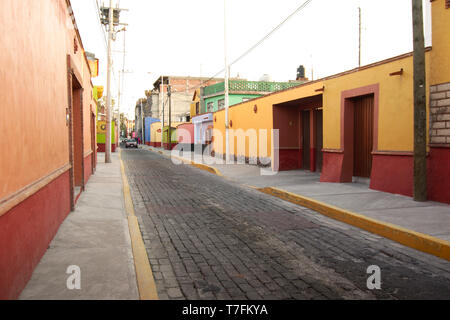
430,218
95,237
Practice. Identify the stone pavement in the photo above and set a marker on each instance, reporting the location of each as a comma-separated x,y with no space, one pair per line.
213,238
94,237
431,218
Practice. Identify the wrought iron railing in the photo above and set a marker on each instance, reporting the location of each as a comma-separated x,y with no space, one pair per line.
249,86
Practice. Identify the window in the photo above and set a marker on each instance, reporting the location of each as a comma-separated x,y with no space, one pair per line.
197,108
221,104
210,106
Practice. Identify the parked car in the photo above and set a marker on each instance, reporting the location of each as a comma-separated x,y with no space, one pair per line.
131,143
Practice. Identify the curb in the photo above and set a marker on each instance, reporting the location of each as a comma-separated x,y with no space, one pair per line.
409,238
144,275
201,166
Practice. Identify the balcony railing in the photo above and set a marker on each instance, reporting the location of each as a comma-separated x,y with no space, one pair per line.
249,86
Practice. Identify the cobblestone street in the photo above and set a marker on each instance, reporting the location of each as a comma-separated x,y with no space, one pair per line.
210,238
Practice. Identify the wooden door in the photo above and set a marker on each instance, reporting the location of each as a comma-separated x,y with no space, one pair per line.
306,140
319,140
363,136
93,145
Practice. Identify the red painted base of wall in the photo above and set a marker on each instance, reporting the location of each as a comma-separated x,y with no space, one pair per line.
439,175
155,144
332,167
26,231
290,159
392,173
148,143
101,147
166,146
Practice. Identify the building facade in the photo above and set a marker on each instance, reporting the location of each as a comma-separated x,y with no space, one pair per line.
45,87
182,90
357,123
239,91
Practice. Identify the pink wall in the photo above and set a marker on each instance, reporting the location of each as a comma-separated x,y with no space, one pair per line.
185,133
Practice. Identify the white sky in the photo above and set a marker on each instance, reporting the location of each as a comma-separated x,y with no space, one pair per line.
180,37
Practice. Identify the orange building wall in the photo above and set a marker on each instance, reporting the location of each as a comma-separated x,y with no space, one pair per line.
33,90
35,39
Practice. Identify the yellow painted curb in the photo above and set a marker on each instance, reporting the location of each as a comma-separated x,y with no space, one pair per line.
196,164
410,238
144,275
207,168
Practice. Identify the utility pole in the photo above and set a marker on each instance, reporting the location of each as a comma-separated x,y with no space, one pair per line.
359,50
108,100
227,102
142,123
121,75
162,102
420,125
169,133
109,17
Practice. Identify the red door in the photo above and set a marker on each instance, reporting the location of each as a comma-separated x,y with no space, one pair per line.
306,140
319,139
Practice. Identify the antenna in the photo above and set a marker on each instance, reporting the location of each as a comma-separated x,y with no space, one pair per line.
359,47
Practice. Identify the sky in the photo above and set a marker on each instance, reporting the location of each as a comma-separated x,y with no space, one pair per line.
186,38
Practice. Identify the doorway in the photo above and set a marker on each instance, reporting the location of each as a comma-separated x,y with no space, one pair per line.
319,139
363,123
75,133
312,139
93,144
306,140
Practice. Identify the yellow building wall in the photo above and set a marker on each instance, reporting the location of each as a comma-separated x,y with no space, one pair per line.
155,135
194,101
395,121
243,117
440,65
396,95
396,104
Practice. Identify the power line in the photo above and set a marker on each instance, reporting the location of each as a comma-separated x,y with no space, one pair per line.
100,24
256,44
103,32
271,32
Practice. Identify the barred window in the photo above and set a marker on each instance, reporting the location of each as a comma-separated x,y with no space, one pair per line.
221,104
210,106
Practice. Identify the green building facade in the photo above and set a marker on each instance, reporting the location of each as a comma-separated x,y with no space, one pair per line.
239,91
